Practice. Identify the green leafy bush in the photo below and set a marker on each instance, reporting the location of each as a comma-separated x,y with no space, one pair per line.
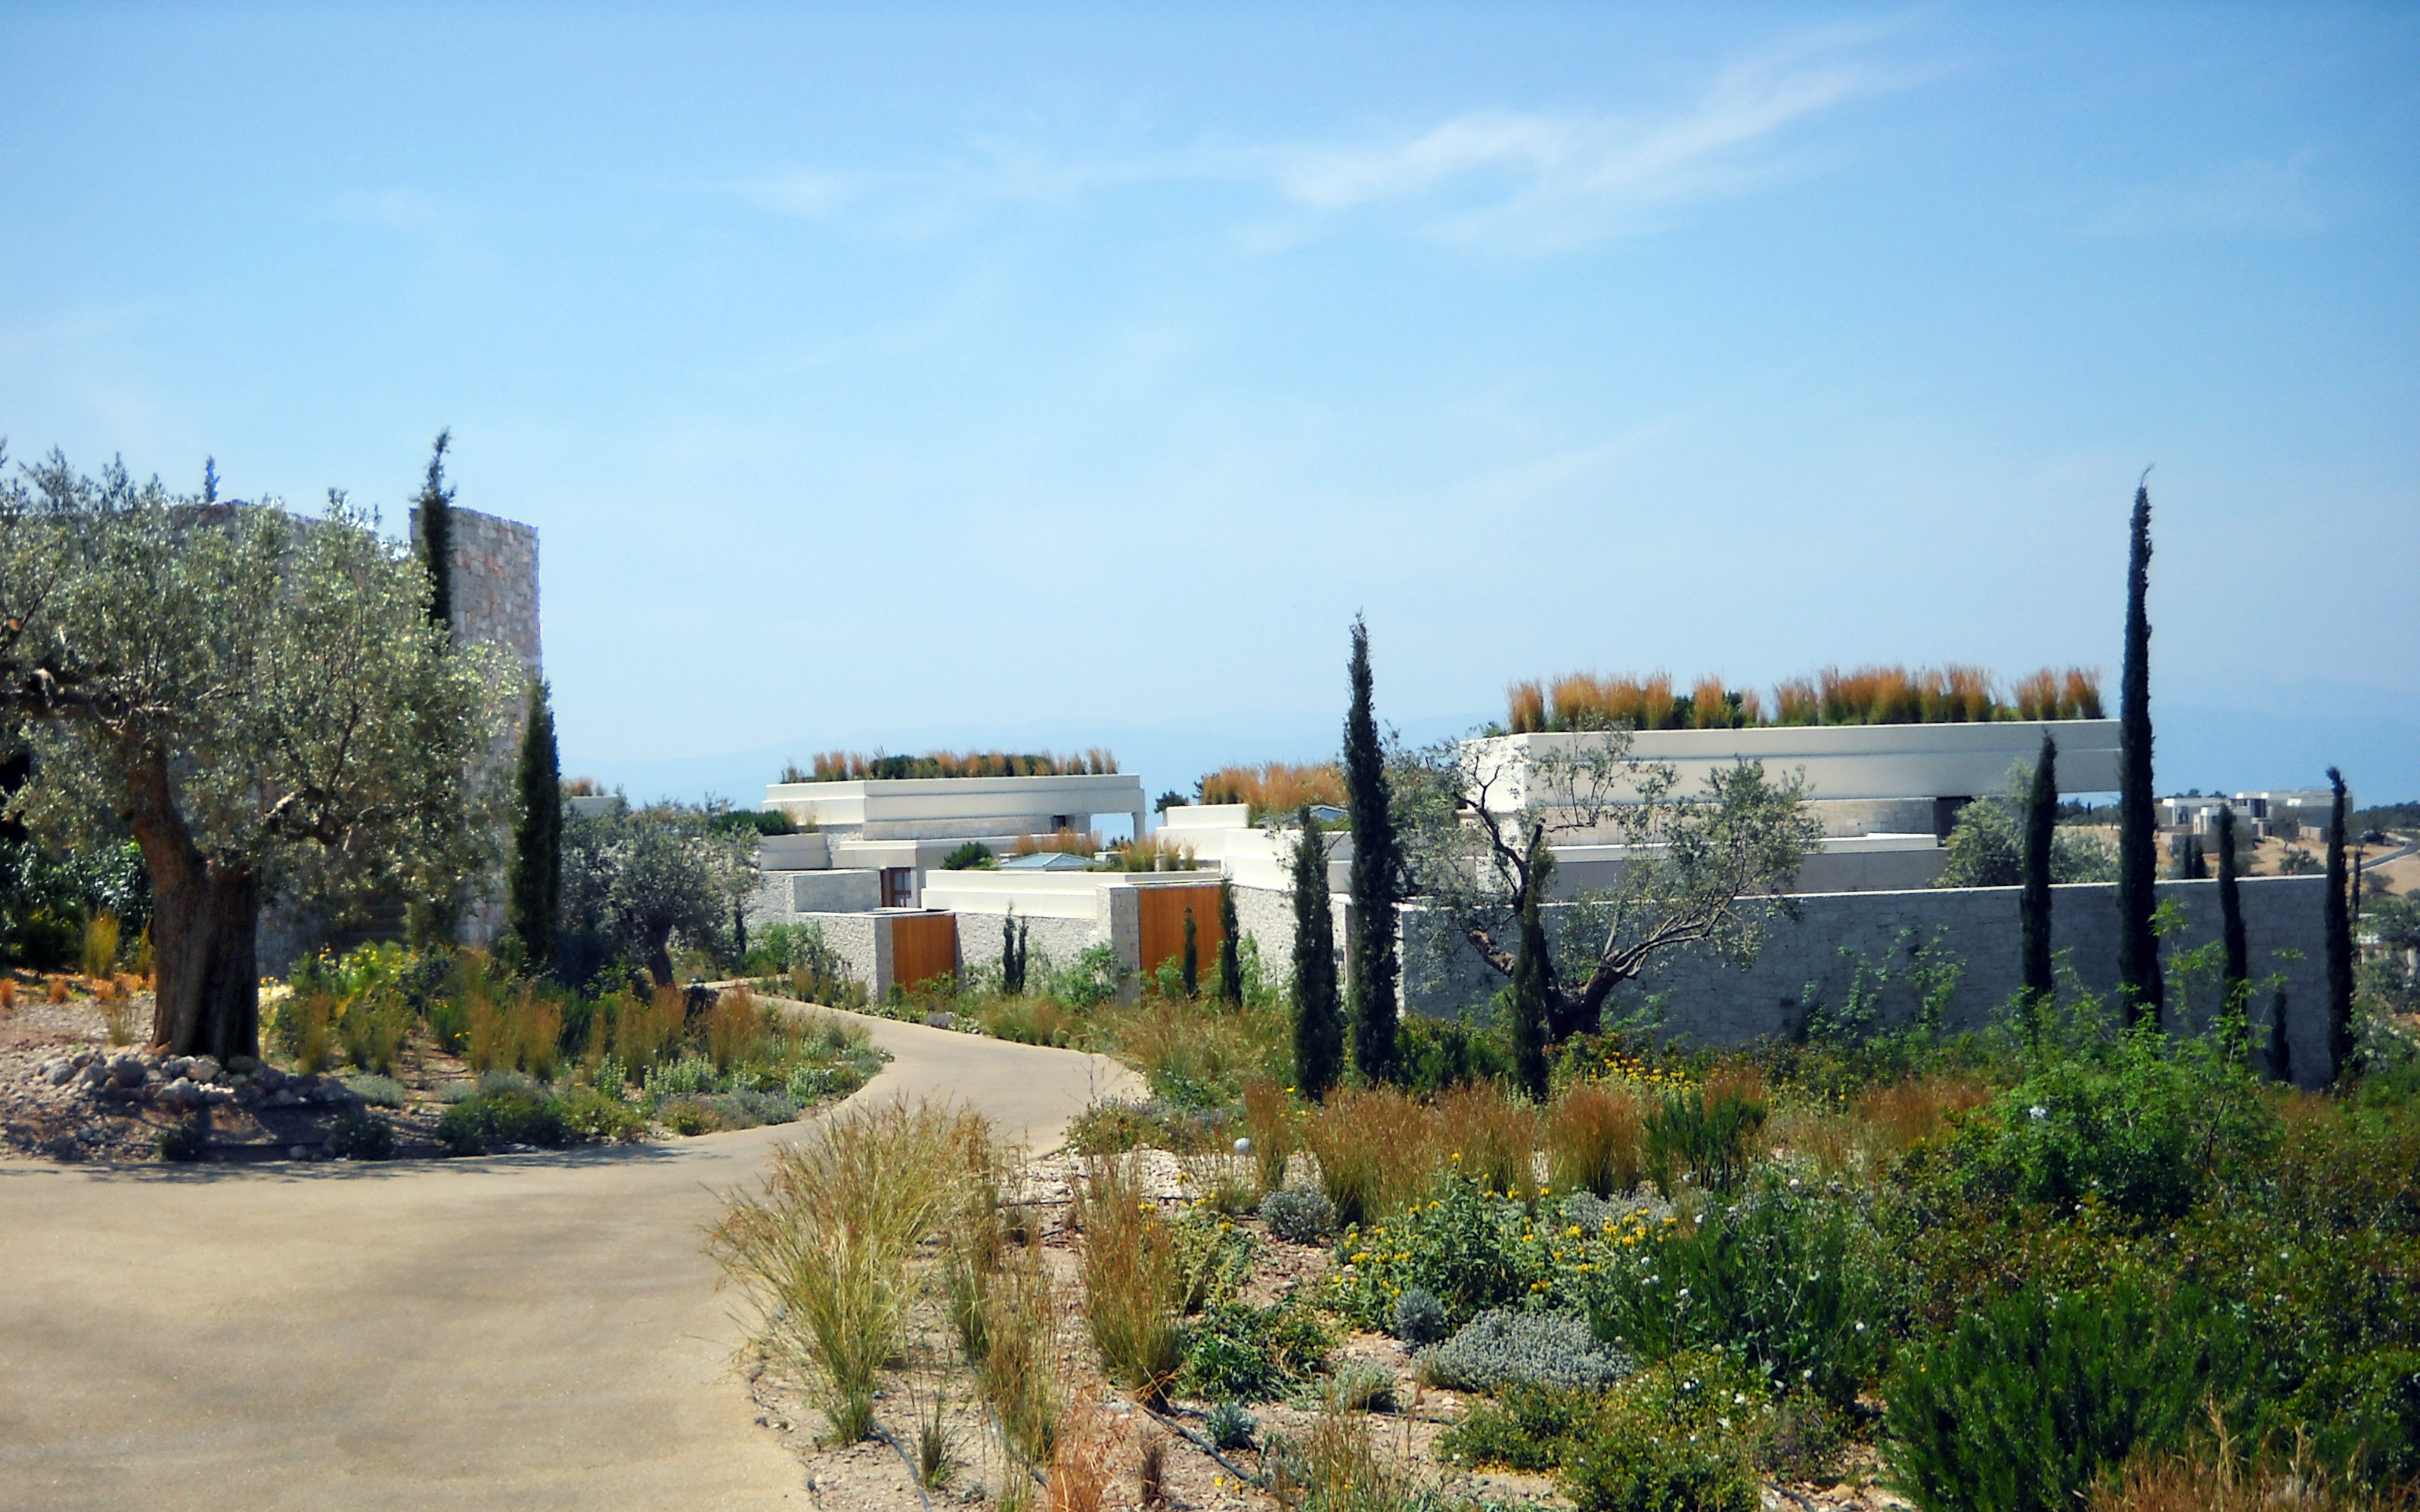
590,1114
1240,1352
1784,1279
2035,1397
358,1134
1529,1426
181,1142
808,1084
1499,1348
1680,1436
506,1116
1705,1132
2147,1127
1470,1249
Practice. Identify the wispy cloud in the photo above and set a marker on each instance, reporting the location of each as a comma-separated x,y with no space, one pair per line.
2254,197
1525,181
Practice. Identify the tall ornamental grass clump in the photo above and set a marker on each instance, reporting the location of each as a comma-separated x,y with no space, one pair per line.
1374,1152
1134,1280
1593,1141
1709,1135
825,1252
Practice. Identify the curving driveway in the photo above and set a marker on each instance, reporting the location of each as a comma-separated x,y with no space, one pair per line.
530,1331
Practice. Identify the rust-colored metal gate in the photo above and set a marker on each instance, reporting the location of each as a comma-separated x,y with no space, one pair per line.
923,947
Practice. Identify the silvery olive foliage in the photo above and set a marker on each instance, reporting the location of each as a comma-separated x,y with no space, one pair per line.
643,879
259,699
1705,868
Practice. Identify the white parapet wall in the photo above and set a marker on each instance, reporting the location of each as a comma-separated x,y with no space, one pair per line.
1842,762
960,808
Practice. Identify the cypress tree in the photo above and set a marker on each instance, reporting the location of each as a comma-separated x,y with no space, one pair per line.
436,504
2235,986
1529,993
1013,932
2139,947
1192,966
2340,936
534,891
1231,961
1318,1028
1374,879
2033,905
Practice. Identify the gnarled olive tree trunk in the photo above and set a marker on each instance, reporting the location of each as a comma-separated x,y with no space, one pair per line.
205,928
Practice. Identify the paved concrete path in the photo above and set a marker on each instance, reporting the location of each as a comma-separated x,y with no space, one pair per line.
531,1331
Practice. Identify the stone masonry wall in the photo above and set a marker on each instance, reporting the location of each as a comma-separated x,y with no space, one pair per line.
1713,1001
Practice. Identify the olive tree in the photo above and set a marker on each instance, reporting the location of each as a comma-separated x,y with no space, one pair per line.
636,880
260,700
1480,824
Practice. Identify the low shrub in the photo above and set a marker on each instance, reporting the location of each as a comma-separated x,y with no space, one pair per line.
2146,1128
1230,1426
358,1134
1469,1248
807,1084
1784,1279
378,1091
181,1142
1707,1135
1681,1434
491,1119
589,1114
1240,1352
1298,1215
688,1076
1420,1319
2035,1398
1529,1426
1499,1348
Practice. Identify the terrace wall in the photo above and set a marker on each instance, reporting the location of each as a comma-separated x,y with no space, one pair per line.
1711,1001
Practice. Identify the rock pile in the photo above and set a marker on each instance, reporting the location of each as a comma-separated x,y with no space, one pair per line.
190,1080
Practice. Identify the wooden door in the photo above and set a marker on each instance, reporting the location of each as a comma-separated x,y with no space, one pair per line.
1163,911
923,947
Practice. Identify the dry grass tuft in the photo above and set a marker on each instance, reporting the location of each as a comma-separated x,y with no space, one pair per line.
1592,1140
7,994
1893,1119
1494,1137
645,1034
1079,1463
2223,1483
57,990
824,1254
1374,1150
1134,1280
1270,1123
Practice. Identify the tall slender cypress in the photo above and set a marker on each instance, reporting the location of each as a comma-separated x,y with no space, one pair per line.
1318,1027
1374,882
534,891
2033,905
1230,957
1013,932
2235,984
1530,968
2340,935
436,504
2139,947
1192,967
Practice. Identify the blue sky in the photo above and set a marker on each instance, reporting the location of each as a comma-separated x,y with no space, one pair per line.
910,376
